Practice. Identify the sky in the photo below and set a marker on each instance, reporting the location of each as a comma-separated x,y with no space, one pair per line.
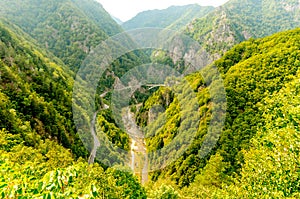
126,9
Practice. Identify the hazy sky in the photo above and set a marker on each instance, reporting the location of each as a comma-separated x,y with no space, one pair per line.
126,9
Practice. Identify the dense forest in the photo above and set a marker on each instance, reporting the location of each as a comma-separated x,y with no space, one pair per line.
239,20
253,71
174,17
227,130
41,154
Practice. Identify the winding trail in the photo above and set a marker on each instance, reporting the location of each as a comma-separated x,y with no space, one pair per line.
96,143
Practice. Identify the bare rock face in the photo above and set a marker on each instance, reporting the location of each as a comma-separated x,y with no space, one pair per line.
246,34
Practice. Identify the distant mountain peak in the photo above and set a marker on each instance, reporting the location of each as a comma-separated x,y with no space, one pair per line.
174,17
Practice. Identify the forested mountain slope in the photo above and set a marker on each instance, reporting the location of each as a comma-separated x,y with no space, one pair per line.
174,17
39,143
42,45
232,23
237,21
271,163
253,72
69,29
36,128
37,91
38,87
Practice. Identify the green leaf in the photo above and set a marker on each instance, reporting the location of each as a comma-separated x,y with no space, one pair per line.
3,185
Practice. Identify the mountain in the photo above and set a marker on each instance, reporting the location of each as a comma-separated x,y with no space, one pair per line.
119,21
39,137
173,17
41,153
69,29
252,153
33,85
230,24
237,21
263,119
253,72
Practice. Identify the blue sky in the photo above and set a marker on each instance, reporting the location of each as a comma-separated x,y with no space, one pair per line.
126,9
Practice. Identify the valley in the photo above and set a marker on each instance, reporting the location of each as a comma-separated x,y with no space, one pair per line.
229,129
138,151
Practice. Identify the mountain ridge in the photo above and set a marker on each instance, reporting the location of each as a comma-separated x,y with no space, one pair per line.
252,71
236,21
42,44
167,17
68,29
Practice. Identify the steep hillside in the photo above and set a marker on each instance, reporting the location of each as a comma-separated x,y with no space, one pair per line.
174,17
45,95
69,29
254,153
230,24
252,71
271,167
237,21
37,91
271,163
36,128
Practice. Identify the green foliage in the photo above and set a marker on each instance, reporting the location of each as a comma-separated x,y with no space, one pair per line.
174,17
273,63
69,29
257,155
252,71
164,192
41,89
33,179
210,179
172,120
271,168
116,135
163,189
35,101
35,94
96,14
239,20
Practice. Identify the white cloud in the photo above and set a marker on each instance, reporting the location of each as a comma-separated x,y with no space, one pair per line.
126,9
